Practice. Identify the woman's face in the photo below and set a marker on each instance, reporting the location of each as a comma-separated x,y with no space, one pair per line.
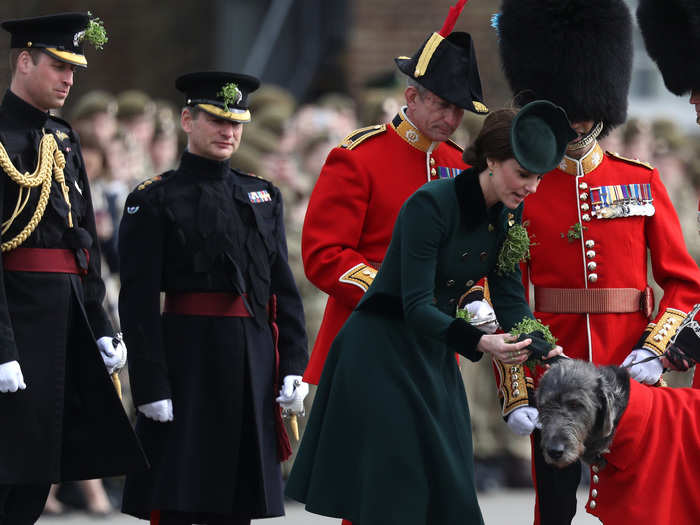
510,183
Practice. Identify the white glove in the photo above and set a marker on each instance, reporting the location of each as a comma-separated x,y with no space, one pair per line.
523,420
158,410
292,395
482,316
114,358
648,372
11,377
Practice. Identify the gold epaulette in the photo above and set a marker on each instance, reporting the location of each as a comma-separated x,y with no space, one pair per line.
454,144
636,162
360,275
358,136
148,182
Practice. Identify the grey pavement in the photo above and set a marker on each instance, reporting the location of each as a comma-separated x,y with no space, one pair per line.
499,507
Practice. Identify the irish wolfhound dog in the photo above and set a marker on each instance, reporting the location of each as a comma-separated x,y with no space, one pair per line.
643,443
579,407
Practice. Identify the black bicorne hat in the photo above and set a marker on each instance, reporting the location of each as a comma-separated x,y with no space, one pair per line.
671,31
575,53
61,36
446,65
221,94
539,135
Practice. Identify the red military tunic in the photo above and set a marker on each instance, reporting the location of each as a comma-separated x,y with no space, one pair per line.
352,210
608,256
651,470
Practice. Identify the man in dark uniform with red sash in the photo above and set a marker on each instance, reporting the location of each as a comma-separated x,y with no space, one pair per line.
60,415
595,218
367,178
205,374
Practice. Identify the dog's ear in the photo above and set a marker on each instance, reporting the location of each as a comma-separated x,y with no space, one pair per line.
606,393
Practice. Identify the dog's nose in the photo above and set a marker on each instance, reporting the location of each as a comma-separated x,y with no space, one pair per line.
555,452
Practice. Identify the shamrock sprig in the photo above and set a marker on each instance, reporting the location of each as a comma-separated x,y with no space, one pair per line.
515,249
231,94
528,326
95,33
575,232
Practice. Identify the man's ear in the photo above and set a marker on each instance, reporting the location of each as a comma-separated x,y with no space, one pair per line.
411,93
186,120
24,62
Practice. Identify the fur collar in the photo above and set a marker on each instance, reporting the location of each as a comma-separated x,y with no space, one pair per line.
471,200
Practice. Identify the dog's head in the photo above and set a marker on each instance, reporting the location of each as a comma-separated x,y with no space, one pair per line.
577,410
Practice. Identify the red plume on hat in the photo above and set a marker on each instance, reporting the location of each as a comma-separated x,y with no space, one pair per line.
452,17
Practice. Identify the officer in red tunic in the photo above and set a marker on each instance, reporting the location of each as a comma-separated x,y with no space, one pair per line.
367,178
671,31
594,219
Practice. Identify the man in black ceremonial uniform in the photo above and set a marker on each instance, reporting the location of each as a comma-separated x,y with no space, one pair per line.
206,371
60,416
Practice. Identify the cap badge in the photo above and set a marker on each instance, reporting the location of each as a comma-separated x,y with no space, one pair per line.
78,38
60,135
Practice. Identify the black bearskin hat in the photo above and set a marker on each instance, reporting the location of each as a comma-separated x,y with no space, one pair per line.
671,31
575,53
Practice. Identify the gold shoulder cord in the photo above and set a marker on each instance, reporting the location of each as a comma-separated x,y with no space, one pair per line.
50,159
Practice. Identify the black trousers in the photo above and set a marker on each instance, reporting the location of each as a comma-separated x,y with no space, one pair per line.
556,488
22,504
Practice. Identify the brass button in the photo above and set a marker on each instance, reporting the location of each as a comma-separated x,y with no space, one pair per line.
592,265
594,493
432,161
586,217
593,277
450,283
515,385
515,377
513,369
592,504
595,469
590,254
433,171
516,392
469,283
583,196
583,186
483,256
658,338
590,243
465,256
596,479
585,206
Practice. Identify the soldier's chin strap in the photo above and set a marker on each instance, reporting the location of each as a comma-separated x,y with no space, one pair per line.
587,139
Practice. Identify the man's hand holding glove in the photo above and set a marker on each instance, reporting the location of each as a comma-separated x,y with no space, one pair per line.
161,410
292,395
113,352
11,378
523,420
648,372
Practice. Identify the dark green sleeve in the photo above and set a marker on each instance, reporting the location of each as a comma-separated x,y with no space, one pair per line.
423,229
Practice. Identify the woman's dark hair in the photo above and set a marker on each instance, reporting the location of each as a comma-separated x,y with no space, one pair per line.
493,141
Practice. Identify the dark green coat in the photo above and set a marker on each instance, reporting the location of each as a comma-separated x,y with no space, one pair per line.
389,438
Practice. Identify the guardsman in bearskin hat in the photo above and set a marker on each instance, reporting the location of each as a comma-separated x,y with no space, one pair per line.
61,416
367,178
205,373
593,219
671,31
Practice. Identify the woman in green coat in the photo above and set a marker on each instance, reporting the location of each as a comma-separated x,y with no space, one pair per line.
389,436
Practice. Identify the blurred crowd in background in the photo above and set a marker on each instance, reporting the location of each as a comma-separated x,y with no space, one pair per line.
131,136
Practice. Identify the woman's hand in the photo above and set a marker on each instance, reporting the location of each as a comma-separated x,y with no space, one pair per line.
502,348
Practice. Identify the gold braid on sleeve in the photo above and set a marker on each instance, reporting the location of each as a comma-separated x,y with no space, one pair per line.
51,160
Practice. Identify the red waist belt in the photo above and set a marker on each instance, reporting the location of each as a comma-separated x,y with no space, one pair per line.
50,260
594,301
215,304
